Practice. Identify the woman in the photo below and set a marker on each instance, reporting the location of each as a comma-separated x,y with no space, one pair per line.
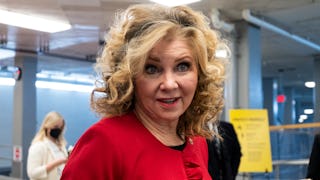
47,153
161,85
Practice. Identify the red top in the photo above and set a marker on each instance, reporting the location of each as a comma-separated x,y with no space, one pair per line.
121,148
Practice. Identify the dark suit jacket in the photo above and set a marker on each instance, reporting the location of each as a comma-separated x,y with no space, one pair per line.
224,165
314,161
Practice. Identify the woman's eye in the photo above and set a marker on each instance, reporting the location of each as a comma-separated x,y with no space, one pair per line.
151,69
182,67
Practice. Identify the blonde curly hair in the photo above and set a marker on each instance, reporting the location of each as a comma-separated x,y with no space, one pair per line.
128,43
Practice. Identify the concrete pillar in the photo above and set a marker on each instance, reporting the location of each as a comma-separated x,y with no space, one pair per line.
24,112
230,92
289,106
249,66
270,92
316,71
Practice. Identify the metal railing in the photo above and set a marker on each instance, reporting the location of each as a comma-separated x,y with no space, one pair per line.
291,147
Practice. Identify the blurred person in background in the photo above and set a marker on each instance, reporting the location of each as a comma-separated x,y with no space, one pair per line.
314,160
224,153
47,153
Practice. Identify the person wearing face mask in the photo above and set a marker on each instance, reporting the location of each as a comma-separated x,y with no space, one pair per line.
47,153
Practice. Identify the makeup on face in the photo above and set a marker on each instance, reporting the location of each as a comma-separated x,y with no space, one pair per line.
166,87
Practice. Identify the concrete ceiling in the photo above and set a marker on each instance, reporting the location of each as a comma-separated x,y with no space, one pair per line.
282,57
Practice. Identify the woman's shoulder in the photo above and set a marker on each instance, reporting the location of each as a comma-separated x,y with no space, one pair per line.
198,142
197,139
317,137
39,146
115,122
111,126
103,136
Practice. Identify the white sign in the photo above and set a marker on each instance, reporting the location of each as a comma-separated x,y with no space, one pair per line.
17,153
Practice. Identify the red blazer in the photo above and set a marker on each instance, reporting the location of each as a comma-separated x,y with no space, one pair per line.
121,148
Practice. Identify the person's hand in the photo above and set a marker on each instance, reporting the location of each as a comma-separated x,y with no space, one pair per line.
70,148
61,161
56,163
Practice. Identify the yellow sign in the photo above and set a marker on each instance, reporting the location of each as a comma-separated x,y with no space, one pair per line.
252,129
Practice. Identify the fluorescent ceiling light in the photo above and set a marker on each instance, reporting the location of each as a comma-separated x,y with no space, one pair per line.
51,85
63,86
174,2
60,76
308,111
221,53
302,118
51,72
32,22
5,54
310,84
7,81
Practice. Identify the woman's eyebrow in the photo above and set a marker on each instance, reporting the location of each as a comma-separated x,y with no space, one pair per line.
153,58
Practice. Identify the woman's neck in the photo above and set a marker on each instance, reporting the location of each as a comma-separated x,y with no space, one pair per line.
55,141
165,132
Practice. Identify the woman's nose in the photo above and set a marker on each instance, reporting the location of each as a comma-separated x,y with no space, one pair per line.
168,81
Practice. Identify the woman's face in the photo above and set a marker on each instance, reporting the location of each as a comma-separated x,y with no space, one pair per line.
56,129
165,88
